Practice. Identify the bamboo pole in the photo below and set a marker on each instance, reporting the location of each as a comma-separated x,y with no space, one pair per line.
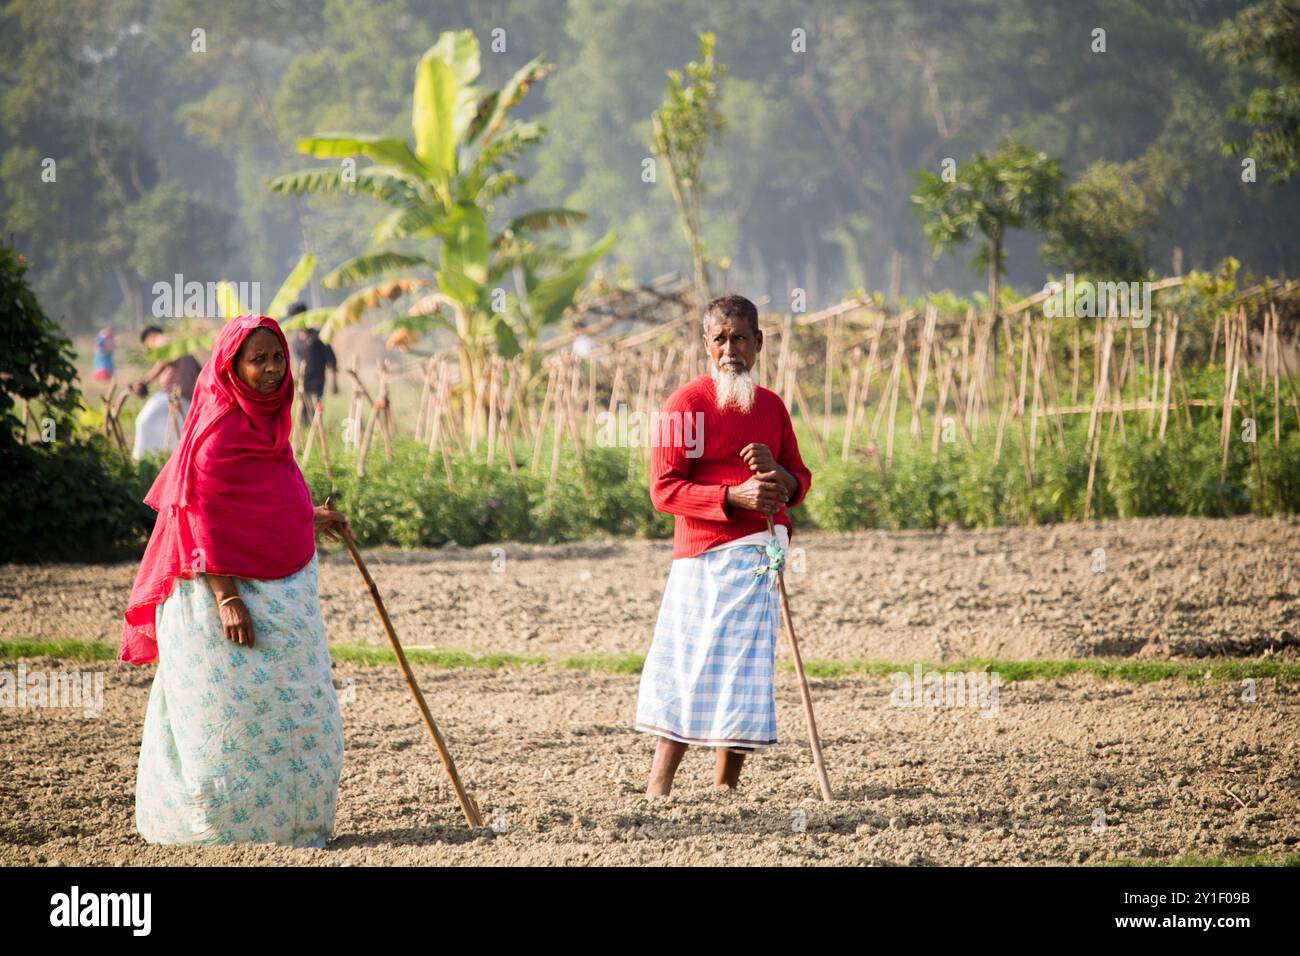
352,435
1036,400
826,391
1024,366
616,389
873,356
783,367
557,438
299,397
323,438
891,393
1274,351
807,417
310,438
449,415
505,427
570,419
591,401
480,385
967,326
1286,368
1026,452
425,389
540,431
1170,346
1259,503
493,397
364,450
805,694
1052,390
1008,383
1154,373
1074,377
1186,405
850,406
435,415
1099,396
1232,354
521,412
385,423
1124,366
468,806
922,372
939,406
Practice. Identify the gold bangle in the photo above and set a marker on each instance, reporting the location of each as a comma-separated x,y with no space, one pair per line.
226,601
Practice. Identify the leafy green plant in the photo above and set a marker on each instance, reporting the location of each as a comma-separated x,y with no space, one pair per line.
1016,187
847,496
443,191
1139,478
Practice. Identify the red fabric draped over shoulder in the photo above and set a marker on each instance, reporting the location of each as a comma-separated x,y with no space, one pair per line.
231,499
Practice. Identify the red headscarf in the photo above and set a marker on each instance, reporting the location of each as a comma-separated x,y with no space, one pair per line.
231,499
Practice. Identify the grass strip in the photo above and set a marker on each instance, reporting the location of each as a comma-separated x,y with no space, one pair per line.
1010,671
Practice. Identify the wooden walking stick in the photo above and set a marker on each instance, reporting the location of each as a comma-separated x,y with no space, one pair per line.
822,780
318,422
467,804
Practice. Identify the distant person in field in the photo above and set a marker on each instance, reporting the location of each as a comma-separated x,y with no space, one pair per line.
317,358
159,423
243,738
178,374
707,679
103,364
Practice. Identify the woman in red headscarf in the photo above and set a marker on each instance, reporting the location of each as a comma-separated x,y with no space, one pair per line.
243,740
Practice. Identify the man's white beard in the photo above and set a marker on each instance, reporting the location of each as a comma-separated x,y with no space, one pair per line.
734,388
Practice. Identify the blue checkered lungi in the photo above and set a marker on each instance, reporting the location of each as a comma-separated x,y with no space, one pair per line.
708,677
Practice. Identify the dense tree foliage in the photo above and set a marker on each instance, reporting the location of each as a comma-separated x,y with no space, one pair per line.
165,120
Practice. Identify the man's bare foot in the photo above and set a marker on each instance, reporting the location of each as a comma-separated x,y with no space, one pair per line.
668,755
726,773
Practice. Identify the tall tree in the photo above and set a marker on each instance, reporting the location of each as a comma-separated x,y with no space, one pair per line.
1016,187
684,126
1266,37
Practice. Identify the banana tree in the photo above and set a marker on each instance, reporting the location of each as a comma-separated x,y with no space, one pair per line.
442,190
541,301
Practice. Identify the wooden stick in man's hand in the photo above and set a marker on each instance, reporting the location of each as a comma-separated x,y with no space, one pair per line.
759,458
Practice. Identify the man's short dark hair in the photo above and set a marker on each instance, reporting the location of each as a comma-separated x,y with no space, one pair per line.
296,308
731,308
148,331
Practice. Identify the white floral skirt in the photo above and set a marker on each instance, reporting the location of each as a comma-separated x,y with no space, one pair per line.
241,744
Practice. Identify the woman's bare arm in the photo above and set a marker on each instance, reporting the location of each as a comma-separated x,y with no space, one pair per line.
222,585
235,619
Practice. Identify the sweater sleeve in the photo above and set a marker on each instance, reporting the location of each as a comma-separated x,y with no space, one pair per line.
671,487
790,459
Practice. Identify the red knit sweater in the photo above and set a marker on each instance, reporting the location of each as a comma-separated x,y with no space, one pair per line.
694,489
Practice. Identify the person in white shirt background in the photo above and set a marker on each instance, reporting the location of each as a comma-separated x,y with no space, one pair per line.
153,430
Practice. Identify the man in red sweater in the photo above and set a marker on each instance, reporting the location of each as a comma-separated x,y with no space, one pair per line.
708,677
